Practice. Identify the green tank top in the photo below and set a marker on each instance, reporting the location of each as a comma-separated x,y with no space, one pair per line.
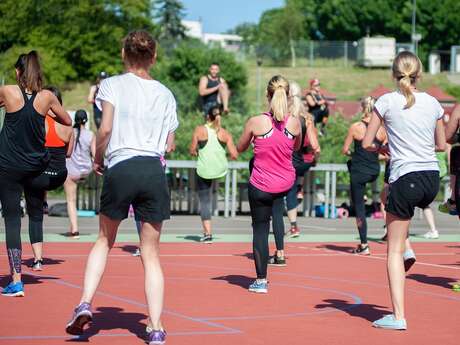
212,159
442,161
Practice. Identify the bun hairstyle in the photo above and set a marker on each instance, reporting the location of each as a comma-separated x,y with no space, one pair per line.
367,104
278,92
55,92
139,49
30,76
407,69
215,119
81,117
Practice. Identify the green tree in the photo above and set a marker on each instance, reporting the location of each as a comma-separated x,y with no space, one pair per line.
169,14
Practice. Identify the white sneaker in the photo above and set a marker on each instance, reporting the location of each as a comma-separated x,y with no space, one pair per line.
137,252
431,235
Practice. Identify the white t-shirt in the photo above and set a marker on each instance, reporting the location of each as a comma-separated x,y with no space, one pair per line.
144,115
411,132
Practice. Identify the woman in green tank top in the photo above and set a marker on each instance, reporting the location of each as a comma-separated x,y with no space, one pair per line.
208,144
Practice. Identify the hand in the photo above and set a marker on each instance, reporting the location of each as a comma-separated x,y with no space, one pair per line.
98,168
171,147
384,150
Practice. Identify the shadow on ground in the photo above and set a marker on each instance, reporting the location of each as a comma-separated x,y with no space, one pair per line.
193,238
26,279
238,280
46,262
369,312
336,248
108,318
444,282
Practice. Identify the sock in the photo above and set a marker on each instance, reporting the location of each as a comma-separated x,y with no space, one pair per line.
293,224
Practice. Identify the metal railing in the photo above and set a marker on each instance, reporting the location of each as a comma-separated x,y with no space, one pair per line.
233,188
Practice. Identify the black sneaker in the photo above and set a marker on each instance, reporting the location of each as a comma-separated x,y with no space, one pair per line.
207,238
277,261
362,250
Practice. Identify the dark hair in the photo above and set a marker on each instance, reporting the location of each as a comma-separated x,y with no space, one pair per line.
55,92
211,110
140,48
214,64
30,73
81,117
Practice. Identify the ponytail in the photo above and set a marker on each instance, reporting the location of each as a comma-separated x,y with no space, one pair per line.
278,91
30,76
80,119
296,107
367,105
407,69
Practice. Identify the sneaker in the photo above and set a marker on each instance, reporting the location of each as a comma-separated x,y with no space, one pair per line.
389,322
82,315
409,259
277,260
37,265
448,207
75,235
431,235
157,337
137,252
14,290
259,286
456,287
293,232
207,238
362,250
384,238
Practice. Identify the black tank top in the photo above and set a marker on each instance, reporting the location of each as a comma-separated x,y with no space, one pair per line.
22,139
212,97
316,107
364,161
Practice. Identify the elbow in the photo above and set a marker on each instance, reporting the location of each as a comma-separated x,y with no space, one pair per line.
441,147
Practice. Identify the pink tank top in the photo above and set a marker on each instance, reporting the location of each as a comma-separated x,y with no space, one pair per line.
273,170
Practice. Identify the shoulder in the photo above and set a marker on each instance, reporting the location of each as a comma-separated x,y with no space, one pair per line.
46,94
163,90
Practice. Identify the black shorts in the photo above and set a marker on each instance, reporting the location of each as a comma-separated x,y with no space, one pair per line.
386,176
416,189
455,160
138,181
48,180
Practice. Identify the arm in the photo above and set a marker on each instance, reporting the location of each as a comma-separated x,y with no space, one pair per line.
2,97
202,88
171,142
194,144
348,141
452,125
92,91
372,129
313,137
70,145
440,136
310,101
61,116
231,147
103,136
246,137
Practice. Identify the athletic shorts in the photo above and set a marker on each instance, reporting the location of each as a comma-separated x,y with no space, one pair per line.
455,160
416,189
208,106
138,181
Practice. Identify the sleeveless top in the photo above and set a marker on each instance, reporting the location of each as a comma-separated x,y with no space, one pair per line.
305,154
22,139
364,161
316,98
212,97
273,171
212,160
56,147
80,160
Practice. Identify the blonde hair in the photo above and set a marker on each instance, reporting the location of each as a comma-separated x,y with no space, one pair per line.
296,106
407,69
367,104
278,91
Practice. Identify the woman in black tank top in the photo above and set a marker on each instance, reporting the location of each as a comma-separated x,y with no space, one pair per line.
22,152
364,168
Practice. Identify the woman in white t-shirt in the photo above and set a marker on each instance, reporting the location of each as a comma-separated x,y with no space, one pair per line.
413,121
138,123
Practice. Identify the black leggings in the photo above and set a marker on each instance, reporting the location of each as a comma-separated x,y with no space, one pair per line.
12,184
278,222
457,193
204,194
261,204
358,182
34,192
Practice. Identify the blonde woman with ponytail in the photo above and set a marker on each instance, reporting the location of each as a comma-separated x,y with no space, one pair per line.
415,129
275,135
208,144
364,168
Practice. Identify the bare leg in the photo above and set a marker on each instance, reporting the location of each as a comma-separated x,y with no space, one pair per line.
224,96
397,234
206,226
428,213
154,281
97,258
70,188
37,248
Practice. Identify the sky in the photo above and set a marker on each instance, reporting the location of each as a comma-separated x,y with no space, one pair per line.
218,16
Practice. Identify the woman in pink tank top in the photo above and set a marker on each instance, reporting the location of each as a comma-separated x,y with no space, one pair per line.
275,136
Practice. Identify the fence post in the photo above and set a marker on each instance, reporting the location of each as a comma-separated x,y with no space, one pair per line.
327,187
311,53
333,194
234,187
345,53
227,193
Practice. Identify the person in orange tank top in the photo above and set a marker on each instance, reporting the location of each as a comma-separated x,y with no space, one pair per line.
59,144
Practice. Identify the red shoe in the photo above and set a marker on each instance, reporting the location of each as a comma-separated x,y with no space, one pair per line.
293,232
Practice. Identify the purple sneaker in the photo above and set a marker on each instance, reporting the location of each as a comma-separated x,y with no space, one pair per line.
82,315
157,337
